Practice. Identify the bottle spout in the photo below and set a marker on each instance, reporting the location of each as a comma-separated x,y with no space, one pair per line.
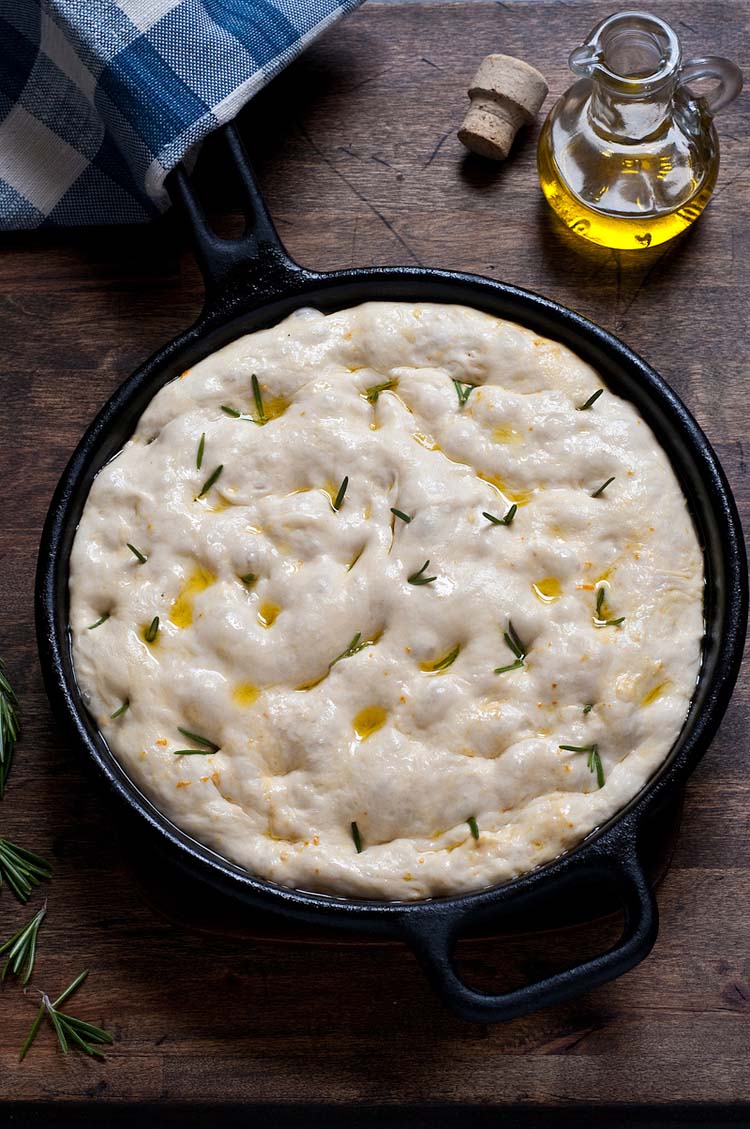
584,60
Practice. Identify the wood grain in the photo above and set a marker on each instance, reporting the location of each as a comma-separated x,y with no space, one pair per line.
357,153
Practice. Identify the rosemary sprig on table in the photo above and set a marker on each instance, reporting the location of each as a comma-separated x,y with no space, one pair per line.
207,747
258,400
502,520
339,500
21,869
137,554
463,391
21,949
593,760
99,622
9,728
591,401
371,394
402,515
201,449
212,478
69,1030
357,838
599,620
472,822
152,630
516,646
419,577
598,493
120,710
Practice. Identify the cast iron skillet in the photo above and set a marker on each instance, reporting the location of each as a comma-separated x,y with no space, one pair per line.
252,283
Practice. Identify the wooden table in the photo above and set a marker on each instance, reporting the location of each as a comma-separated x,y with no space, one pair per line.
357,152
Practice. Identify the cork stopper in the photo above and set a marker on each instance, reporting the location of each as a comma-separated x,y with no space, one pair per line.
505,94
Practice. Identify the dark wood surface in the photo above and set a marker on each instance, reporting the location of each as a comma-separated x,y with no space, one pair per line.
357,153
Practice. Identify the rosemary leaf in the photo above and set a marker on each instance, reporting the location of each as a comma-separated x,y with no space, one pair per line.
445,662
402,515
249,579
196,737
9,728
21,949
99,622
357,838
357,644
258,400
598,493
599,620
342,491
152,630
21,869
594,763
588,707
371,394
502,520
419,577
591,401
231,412
511,666
473,827
210,481
119,712
463,391
137,554
201,449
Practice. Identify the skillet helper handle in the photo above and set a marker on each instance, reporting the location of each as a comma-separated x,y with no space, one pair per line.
257,261
433,934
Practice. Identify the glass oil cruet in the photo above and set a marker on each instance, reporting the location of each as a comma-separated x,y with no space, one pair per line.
629,156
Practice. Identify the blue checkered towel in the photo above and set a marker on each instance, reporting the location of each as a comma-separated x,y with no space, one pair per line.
99,99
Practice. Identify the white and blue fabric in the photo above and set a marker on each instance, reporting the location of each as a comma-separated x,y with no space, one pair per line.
100,99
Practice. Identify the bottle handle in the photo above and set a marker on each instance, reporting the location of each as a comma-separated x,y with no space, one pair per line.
727,75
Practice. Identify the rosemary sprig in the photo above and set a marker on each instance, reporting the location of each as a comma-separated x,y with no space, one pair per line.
463,391
119,712
9,728
338,503
599,621
69,1030
21,949
21,869
210,481
258,400
402,515
371,394
357,644
472,822
516,646
502,520
207,746
99,622
593,760
591,401
598,493
357,838
419,577
137,554
201,449
152,630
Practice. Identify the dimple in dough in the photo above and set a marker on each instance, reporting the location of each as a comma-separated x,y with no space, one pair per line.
336,690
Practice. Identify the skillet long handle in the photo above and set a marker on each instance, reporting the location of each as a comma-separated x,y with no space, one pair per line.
433,936
257,261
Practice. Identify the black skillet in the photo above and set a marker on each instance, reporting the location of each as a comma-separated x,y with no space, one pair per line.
252,283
